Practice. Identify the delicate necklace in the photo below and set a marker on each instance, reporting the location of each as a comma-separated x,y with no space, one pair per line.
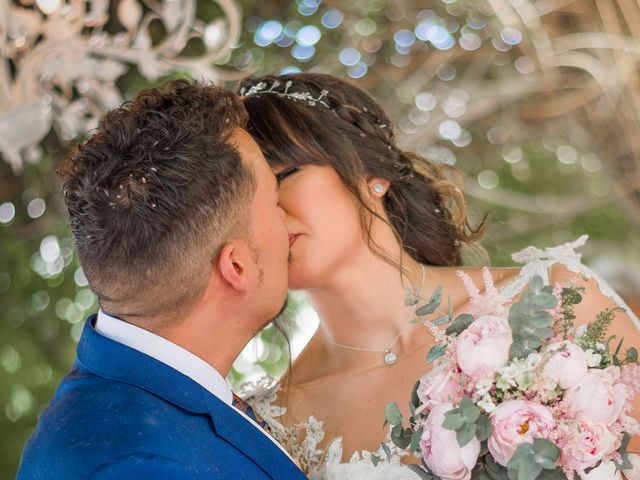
389,357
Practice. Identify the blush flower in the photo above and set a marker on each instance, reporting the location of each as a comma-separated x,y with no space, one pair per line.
441,451
597,398
516,422
591,441
567,365
436,387
484,346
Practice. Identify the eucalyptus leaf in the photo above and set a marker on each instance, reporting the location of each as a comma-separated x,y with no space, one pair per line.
632,355
529,320
529,470
415,440
434,302
483,427
410,301
495,470
392,414
436,352
552,475
459,325
471,414
415,400
441,320
547,464
465,403
546,448
375,459
522,453
453,422
465,434
484,447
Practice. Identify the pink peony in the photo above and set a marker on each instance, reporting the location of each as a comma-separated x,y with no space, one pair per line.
590,442
441,451
436,387
484,346
516,422
596,397
567,366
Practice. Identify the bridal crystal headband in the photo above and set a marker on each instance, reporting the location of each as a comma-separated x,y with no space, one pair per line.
261,88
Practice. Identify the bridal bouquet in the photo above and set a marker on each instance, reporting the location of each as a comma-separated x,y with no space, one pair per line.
518,392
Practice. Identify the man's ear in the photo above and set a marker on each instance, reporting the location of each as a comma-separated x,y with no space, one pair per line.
232,266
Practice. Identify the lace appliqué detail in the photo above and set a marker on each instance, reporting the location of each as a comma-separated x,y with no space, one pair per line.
301,441
538,261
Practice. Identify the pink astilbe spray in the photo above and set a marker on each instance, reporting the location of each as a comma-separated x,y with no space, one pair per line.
491,302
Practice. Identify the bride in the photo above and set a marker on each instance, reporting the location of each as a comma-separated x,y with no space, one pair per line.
369,225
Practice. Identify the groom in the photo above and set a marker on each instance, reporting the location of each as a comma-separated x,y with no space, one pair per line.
175,218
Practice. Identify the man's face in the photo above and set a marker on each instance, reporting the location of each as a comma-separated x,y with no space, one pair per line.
268,237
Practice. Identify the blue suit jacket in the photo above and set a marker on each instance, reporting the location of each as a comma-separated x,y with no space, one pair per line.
122,414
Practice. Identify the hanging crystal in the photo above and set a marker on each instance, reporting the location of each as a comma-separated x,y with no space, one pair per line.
390,358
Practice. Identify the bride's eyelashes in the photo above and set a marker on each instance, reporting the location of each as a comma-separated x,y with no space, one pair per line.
280,176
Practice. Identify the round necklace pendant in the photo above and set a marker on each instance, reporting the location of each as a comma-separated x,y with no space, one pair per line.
390,358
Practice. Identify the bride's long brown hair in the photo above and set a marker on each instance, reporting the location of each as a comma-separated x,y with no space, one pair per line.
335,123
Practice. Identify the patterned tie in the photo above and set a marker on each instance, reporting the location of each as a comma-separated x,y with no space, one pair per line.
245,408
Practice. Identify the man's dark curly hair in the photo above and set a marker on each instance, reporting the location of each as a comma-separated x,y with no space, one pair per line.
154,194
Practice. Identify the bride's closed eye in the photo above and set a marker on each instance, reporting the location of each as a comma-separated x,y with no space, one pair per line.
280,176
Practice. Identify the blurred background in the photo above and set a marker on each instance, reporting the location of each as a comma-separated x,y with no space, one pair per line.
536,101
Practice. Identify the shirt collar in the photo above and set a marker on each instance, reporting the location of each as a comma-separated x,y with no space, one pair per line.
166,352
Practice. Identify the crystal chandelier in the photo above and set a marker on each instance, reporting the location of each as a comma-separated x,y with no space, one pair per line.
61,60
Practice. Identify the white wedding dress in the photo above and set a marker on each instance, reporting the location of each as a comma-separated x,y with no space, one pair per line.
328,464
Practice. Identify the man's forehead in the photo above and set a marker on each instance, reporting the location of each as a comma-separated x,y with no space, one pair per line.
245,143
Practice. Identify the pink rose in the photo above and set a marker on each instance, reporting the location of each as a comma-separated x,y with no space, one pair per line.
516,422
591,441
436,387
441,451
596,397
567,366
484,346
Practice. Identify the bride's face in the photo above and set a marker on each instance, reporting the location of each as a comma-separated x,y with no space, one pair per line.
323,221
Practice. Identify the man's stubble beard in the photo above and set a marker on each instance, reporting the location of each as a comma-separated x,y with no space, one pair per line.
257,260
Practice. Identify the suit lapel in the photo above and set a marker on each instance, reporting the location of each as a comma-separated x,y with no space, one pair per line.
112,360
245,437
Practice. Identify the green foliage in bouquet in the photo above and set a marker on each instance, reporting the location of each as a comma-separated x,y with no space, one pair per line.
624,463
535,461
597,330
458,325
529,320
570,297
468,422
400,436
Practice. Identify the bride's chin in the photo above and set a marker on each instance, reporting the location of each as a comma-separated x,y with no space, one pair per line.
296,280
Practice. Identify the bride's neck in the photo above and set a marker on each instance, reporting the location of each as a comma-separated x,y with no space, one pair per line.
362,305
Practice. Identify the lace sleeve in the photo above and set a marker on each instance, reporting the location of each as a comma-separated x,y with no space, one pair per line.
538,262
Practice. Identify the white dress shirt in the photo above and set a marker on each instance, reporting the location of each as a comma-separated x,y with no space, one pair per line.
174,356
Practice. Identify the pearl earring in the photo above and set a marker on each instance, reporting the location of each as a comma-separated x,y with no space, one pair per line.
378,188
